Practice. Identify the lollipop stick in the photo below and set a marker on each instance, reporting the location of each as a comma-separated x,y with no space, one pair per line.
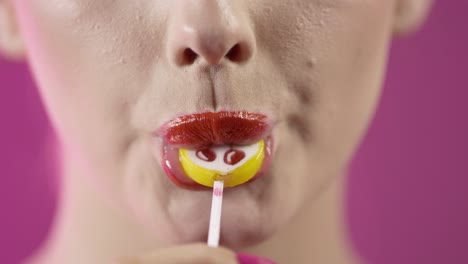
215,217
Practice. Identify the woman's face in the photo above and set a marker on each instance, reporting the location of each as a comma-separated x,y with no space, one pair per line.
111,72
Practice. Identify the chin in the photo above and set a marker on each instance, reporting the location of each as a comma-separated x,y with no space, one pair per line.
237,235
249,217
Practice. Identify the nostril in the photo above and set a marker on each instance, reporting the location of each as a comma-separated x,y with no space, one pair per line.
239,53
235,54
188,57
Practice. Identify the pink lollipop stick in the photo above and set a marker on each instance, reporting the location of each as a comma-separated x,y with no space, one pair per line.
215,217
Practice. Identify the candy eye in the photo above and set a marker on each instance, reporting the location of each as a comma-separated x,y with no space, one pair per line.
206,154
233,156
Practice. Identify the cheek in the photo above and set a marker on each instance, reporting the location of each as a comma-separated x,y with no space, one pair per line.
85,91
51,43
353,79
333,57
71,62
89,75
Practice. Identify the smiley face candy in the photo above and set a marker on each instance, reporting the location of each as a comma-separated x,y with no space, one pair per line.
234,165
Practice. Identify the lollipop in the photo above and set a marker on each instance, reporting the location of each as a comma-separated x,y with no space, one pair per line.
234,165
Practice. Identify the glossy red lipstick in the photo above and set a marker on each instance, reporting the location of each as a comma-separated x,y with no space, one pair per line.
216,128
202,130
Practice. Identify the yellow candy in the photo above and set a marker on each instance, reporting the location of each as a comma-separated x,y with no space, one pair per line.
237,176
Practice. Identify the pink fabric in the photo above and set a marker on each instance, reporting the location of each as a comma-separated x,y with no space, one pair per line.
407,198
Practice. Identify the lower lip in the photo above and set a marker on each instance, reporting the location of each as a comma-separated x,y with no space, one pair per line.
173,169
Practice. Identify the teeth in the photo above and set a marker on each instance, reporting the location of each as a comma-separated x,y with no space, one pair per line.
233,164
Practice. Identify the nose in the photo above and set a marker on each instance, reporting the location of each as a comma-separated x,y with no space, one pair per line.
209,31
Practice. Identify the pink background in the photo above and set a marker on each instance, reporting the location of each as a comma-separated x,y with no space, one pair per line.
408,187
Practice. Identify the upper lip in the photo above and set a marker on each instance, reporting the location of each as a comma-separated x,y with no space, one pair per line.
216,128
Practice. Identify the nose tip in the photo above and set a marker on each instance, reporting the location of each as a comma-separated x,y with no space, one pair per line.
210,33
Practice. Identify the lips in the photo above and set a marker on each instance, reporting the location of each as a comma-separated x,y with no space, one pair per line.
220,128
211,129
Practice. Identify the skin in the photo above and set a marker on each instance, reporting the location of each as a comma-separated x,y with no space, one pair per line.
111,72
